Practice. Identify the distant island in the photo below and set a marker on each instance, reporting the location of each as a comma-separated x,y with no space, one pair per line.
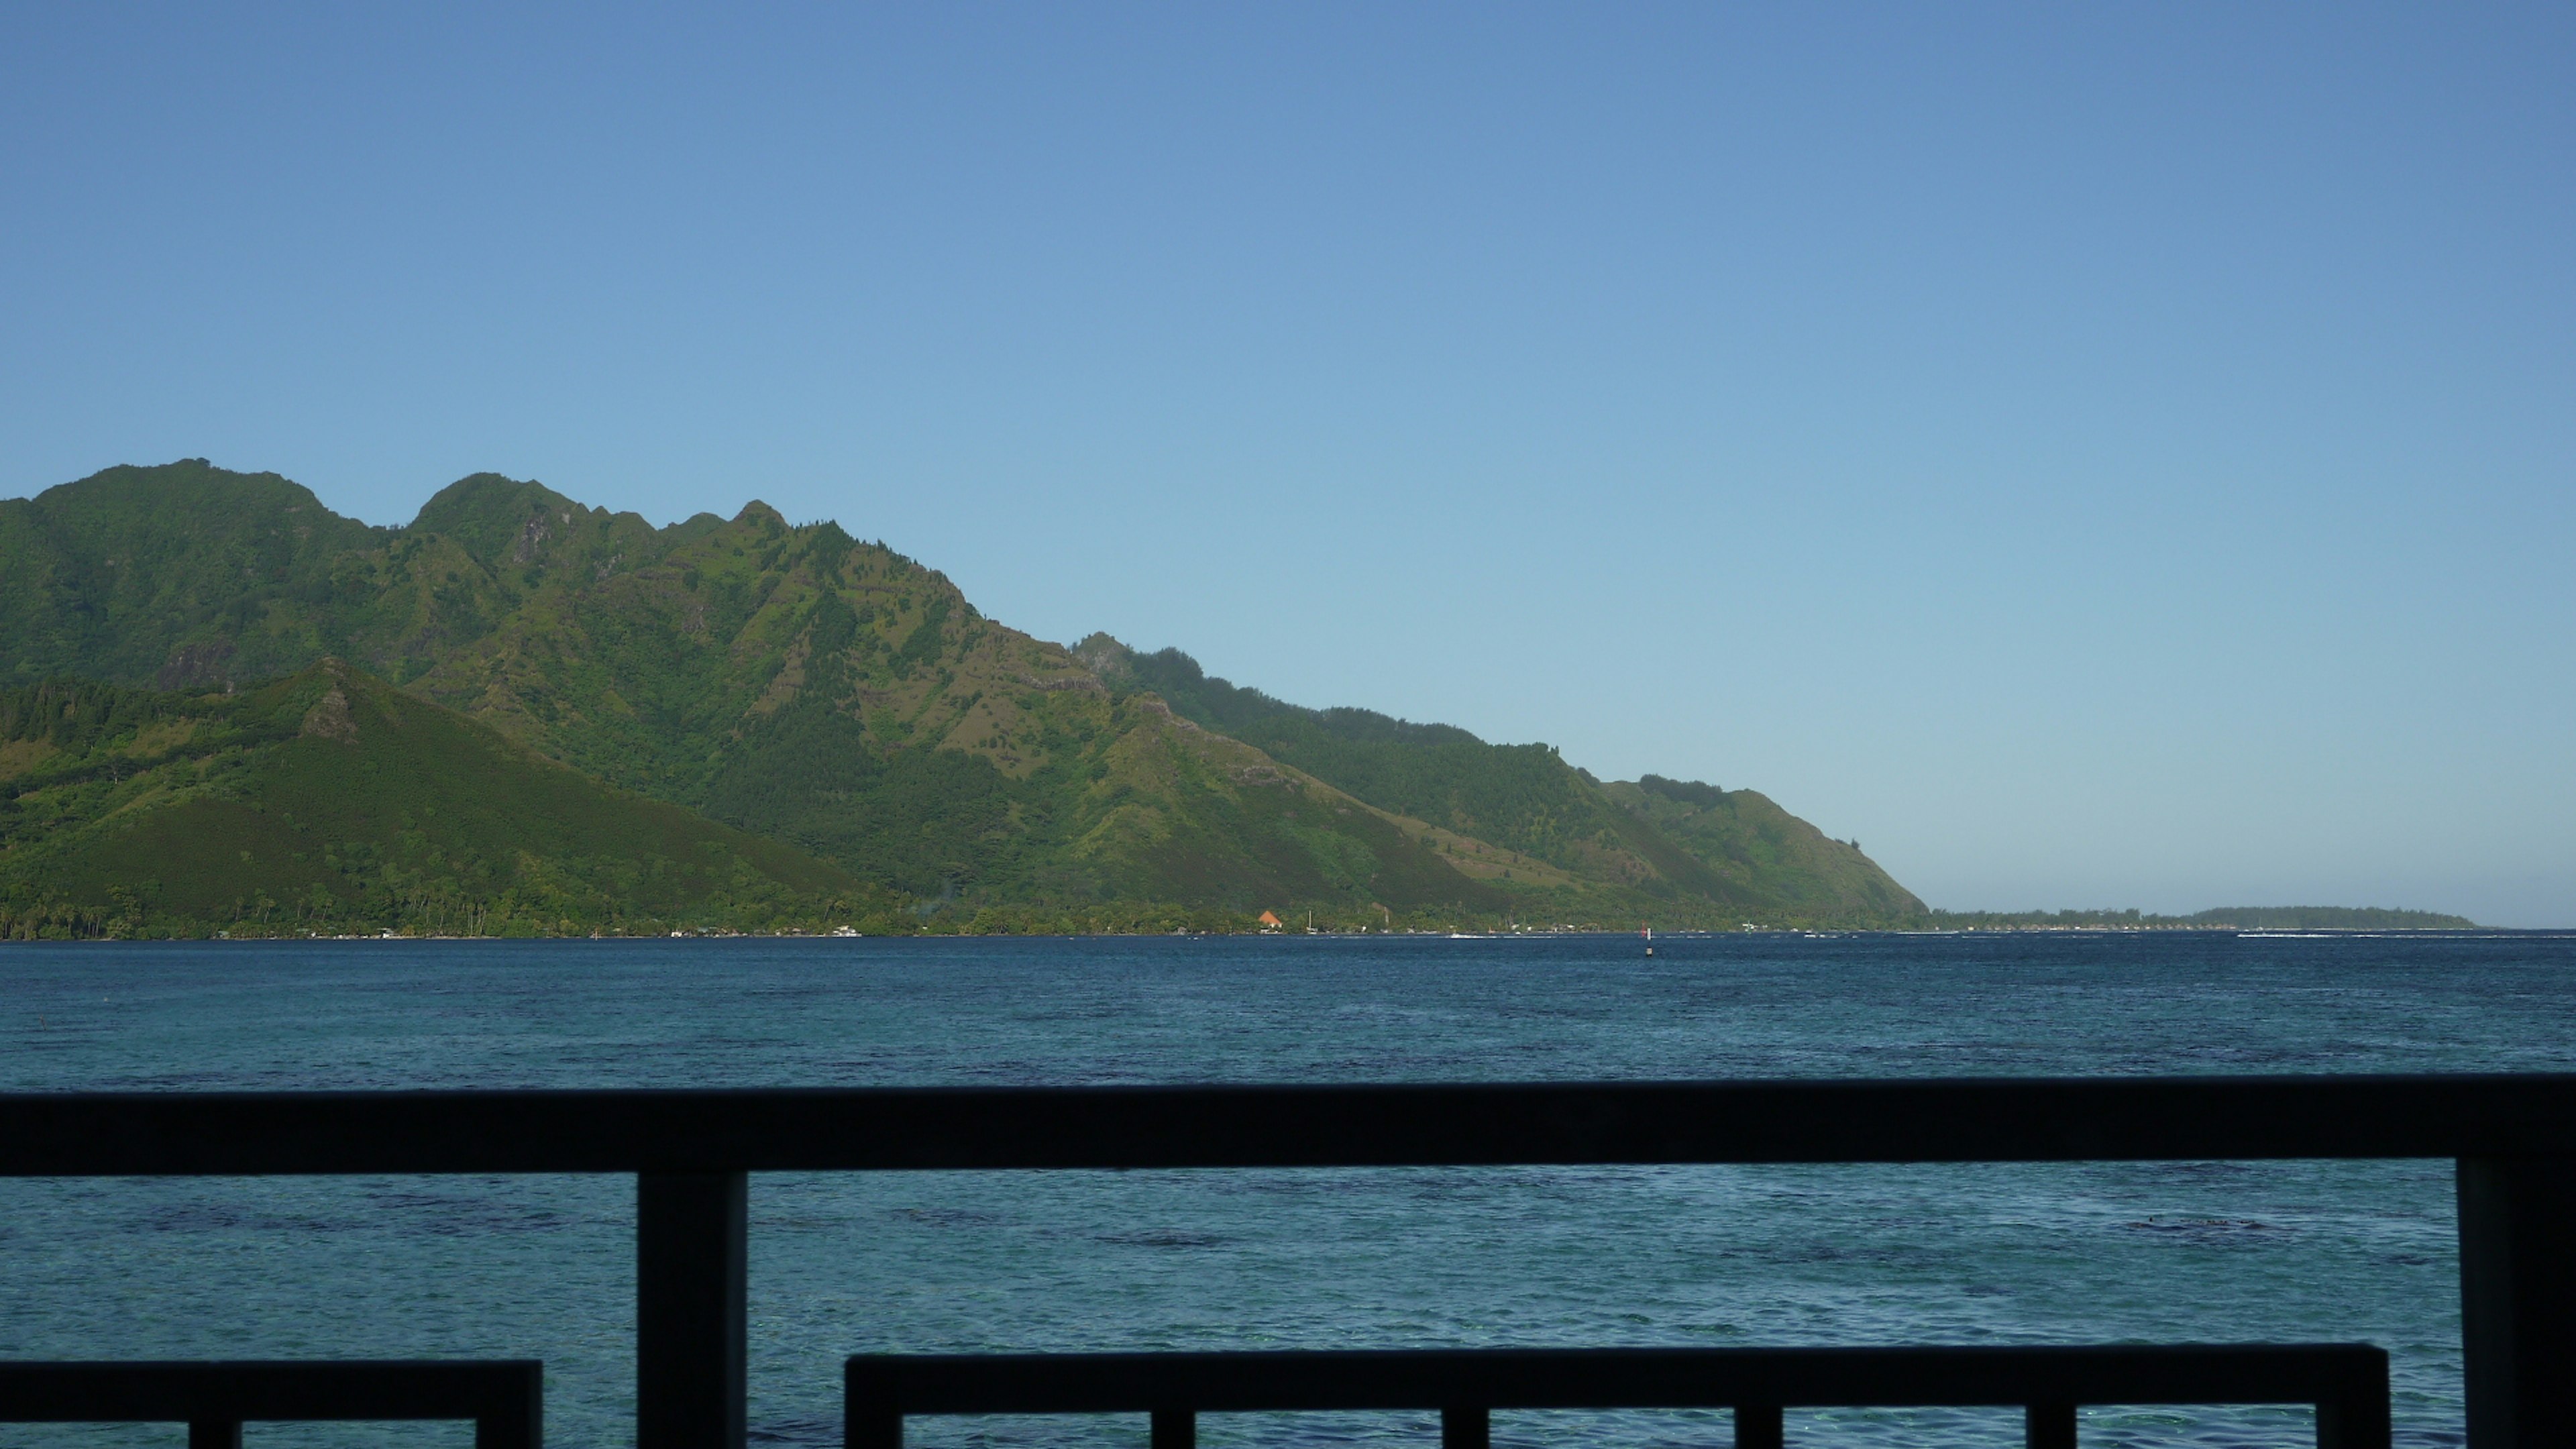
226,710
2223,918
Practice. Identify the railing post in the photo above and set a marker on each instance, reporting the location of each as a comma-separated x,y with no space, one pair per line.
2354,1413
872,1419
689,1310
518,1430
1466,1427
2049,1426
1174,1429
214,1434
1758,1426
2518,1300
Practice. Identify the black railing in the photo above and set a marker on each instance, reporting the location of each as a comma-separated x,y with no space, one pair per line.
504,1399
2514,1138
2347,1384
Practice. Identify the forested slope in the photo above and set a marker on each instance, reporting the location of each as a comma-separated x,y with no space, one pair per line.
330,801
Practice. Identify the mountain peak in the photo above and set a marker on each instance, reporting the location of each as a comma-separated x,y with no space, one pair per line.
497,518
1105,657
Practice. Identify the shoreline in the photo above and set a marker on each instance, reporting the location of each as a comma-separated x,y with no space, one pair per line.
1686,934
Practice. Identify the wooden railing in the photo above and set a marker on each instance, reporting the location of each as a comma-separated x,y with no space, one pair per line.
2513,1137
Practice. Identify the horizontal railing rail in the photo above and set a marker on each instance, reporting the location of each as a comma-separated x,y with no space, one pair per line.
505,1398
2513,1139
2029,1119
2347,1384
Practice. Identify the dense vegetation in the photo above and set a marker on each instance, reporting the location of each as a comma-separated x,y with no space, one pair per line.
174,576
331,802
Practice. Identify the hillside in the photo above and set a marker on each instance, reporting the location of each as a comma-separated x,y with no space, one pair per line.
1761,853
330,801
1668,840
829,693
797,683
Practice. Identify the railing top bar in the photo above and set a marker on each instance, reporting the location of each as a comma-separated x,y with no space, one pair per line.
1612,1378
142,1392
2026,1119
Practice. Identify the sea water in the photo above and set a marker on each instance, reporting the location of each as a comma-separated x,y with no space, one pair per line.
542,1267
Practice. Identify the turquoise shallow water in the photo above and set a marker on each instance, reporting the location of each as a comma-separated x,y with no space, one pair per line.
541,1267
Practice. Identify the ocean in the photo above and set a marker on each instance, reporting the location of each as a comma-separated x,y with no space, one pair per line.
542,1267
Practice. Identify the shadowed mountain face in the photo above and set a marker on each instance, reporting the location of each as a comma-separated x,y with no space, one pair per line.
836,696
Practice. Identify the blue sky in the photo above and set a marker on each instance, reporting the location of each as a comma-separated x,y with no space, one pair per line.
2112,455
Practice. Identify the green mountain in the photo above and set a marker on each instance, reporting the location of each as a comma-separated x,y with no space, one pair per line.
830,694
330,801
790,681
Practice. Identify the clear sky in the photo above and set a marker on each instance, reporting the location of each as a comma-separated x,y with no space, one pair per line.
2093,455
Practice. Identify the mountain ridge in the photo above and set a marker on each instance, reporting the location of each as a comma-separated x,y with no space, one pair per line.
848,701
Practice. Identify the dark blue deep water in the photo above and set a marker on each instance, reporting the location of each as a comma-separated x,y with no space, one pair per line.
541,1267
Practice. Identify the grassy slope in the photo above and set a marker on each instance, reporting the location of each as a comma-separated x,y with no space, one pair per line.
1659,841
330,800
